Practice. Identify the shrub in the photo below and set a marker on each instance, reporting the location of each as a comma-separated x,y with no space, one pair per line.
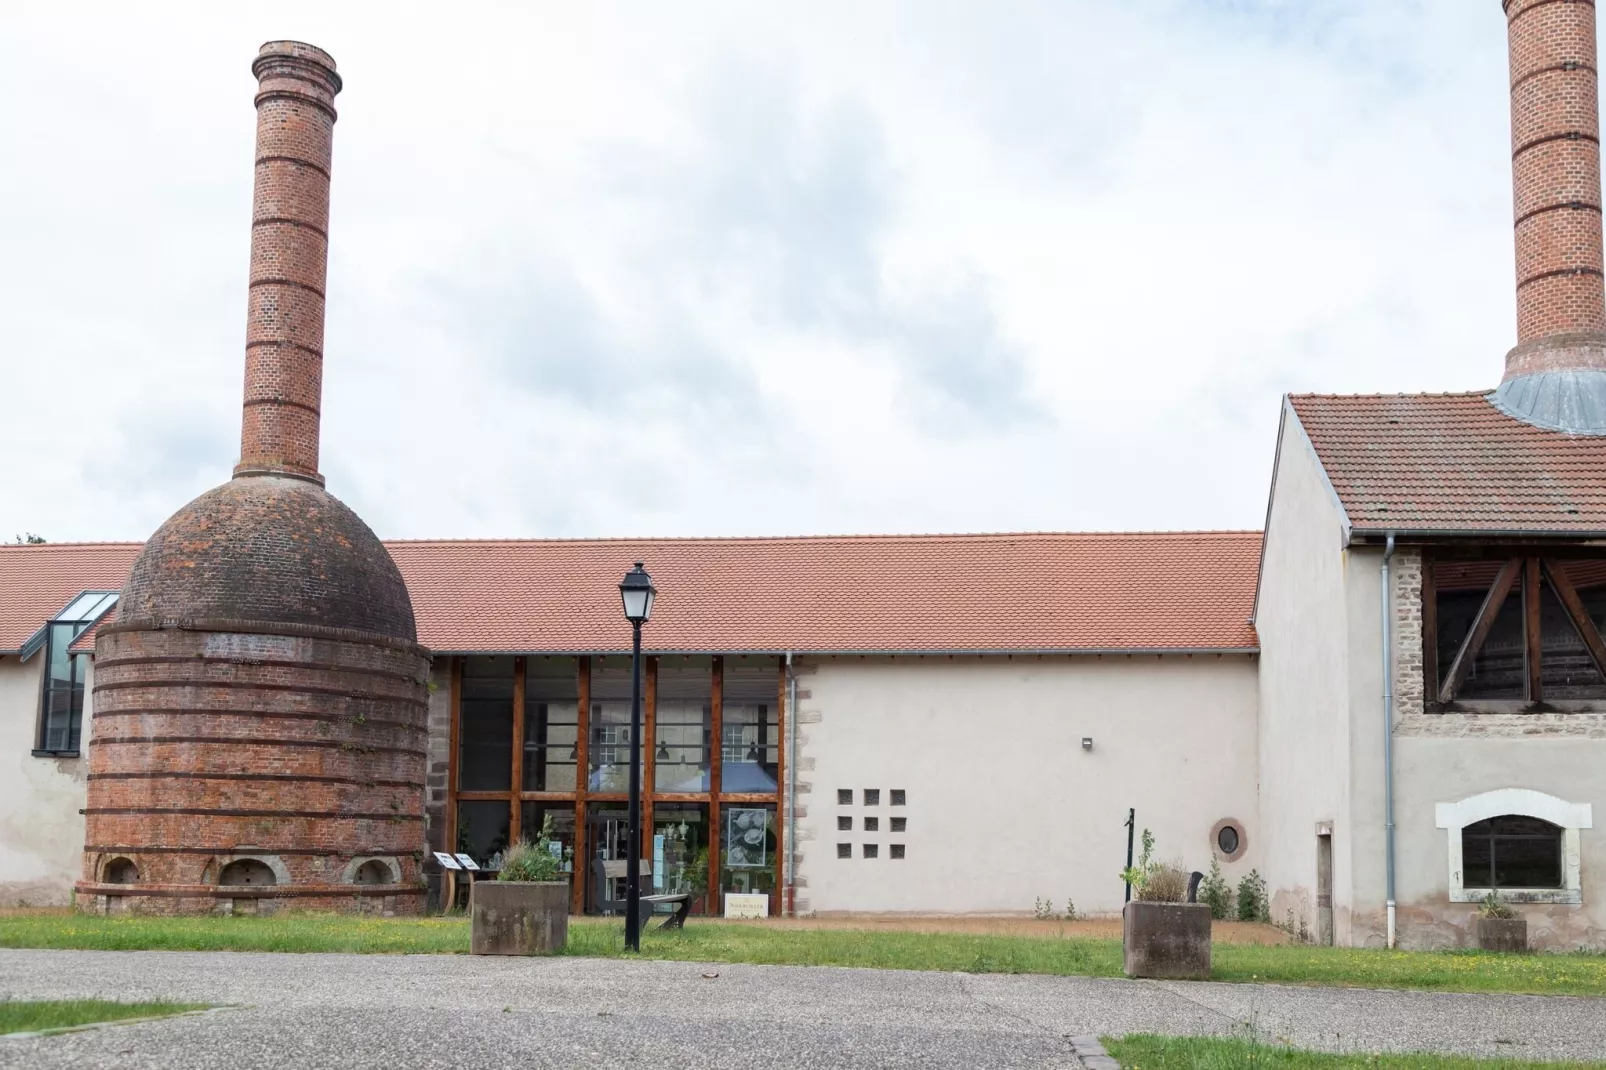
1253,903
1490,906
1070,909
1166,882
1156,882
526,861
1216,893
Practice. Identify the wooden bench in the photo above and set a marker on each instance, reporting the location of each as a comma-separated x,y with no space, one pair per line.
604,872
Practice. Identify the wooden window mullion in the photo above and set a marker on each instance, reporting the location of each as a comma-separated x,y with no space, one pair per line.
649,761
454,744
582,780
781,714
1532,630
516,818
1481,626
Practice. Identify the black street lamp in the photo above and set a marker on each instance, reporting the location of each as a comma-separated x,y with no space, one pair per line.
637,592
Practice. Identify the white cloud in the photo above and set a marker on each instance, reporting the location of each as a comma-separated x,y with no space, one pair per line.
639,269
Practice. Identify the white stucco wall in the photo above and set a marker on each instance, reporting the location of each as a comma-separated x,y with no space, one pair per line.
41,830
1004,805
1304,735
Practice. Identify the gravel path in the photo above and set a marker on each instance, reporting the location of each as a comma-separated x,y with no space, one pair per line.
448,1010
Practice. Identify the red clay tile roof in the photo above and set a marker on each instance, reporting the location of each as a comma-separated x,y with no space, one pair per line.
886,593
37,582
948,593
1453,463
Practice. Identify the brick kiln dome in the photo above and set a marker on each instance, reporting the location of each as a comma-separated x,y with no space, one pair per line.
268,549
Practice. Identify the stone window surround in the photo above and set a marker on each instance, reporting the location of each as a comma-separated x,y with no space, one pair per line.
1570,817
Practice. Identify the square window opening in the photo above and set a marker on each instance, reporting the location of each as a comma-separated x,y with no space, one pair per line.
844,796
897,797
844,823
844,850
871,850
872,796
897,850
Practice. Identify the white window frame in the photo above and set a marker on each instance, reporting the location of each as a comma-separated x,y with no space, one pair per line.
1568,816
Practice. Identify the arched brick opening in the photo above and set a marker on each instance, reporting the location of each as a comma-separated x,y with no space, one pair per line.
248,871
119,870
374,871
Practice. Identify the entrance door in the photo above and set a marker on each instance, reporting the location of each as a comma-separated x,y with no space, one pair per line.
608,838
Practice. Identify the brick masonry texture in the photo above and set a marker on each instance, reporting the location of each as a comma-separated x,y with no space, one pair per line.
261,691
289,255
269,548
207,745
1555,164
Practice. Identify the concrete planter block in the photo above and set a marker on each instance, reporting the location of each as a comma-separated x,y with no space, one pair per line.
1169,940
1503,934
519,918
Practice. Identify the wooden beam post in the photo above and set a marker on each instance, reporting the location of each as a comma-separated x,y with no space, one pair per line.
582,781
716,760
1481,625
781,714
1562,584
1531,630
649,728
454,744
515,825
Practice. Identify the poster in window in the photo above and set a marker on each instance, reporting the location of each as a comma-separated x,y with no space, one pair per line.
744,838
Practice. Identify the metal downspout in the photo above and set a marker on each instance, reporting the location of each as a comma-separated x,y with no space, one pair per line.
1388,735
791,789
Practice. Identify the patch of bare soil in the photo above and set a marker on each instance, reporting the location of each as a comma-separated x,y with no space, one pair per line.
1226,932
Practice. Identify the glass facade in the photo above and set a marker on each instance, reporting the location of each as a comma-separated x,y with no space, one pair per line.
551,725
482,829
485,761
748,844
684,723
750,737
61,700
680,851
610,725
519,767
534,814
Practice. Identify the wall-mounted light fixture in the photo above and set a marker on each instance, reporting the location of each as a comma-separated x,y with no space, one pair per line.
1087,742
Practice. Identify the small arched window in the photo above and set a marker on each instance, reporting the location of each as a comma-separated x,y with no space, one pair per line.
1511,851
121,871
373,871
247,871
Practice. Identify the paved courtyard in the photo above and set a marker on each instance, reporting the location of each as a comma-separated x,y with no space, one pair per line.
346,1010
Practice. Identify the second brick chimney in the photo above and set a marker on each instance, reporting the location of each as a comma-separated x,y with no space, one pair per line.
1556,376
289,249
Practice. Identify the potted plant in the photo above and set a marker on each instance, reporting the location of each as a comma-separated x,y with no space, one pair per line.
1499,927
1162,934
525,911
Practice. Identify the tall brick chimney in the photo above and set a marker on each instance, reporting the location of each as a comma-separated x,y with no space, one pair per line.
260,699
289,250
1556,376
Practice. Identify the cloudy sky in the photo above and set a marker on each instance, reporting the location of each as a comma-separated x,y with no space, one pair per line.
681,269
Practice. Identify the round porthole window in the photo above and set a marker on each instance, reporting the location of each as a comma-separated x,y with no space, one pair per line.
1227,840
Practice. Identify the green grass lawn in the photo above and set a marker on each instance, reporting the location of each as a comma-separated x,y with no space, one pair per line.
19,1016
718,941
1148,1052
